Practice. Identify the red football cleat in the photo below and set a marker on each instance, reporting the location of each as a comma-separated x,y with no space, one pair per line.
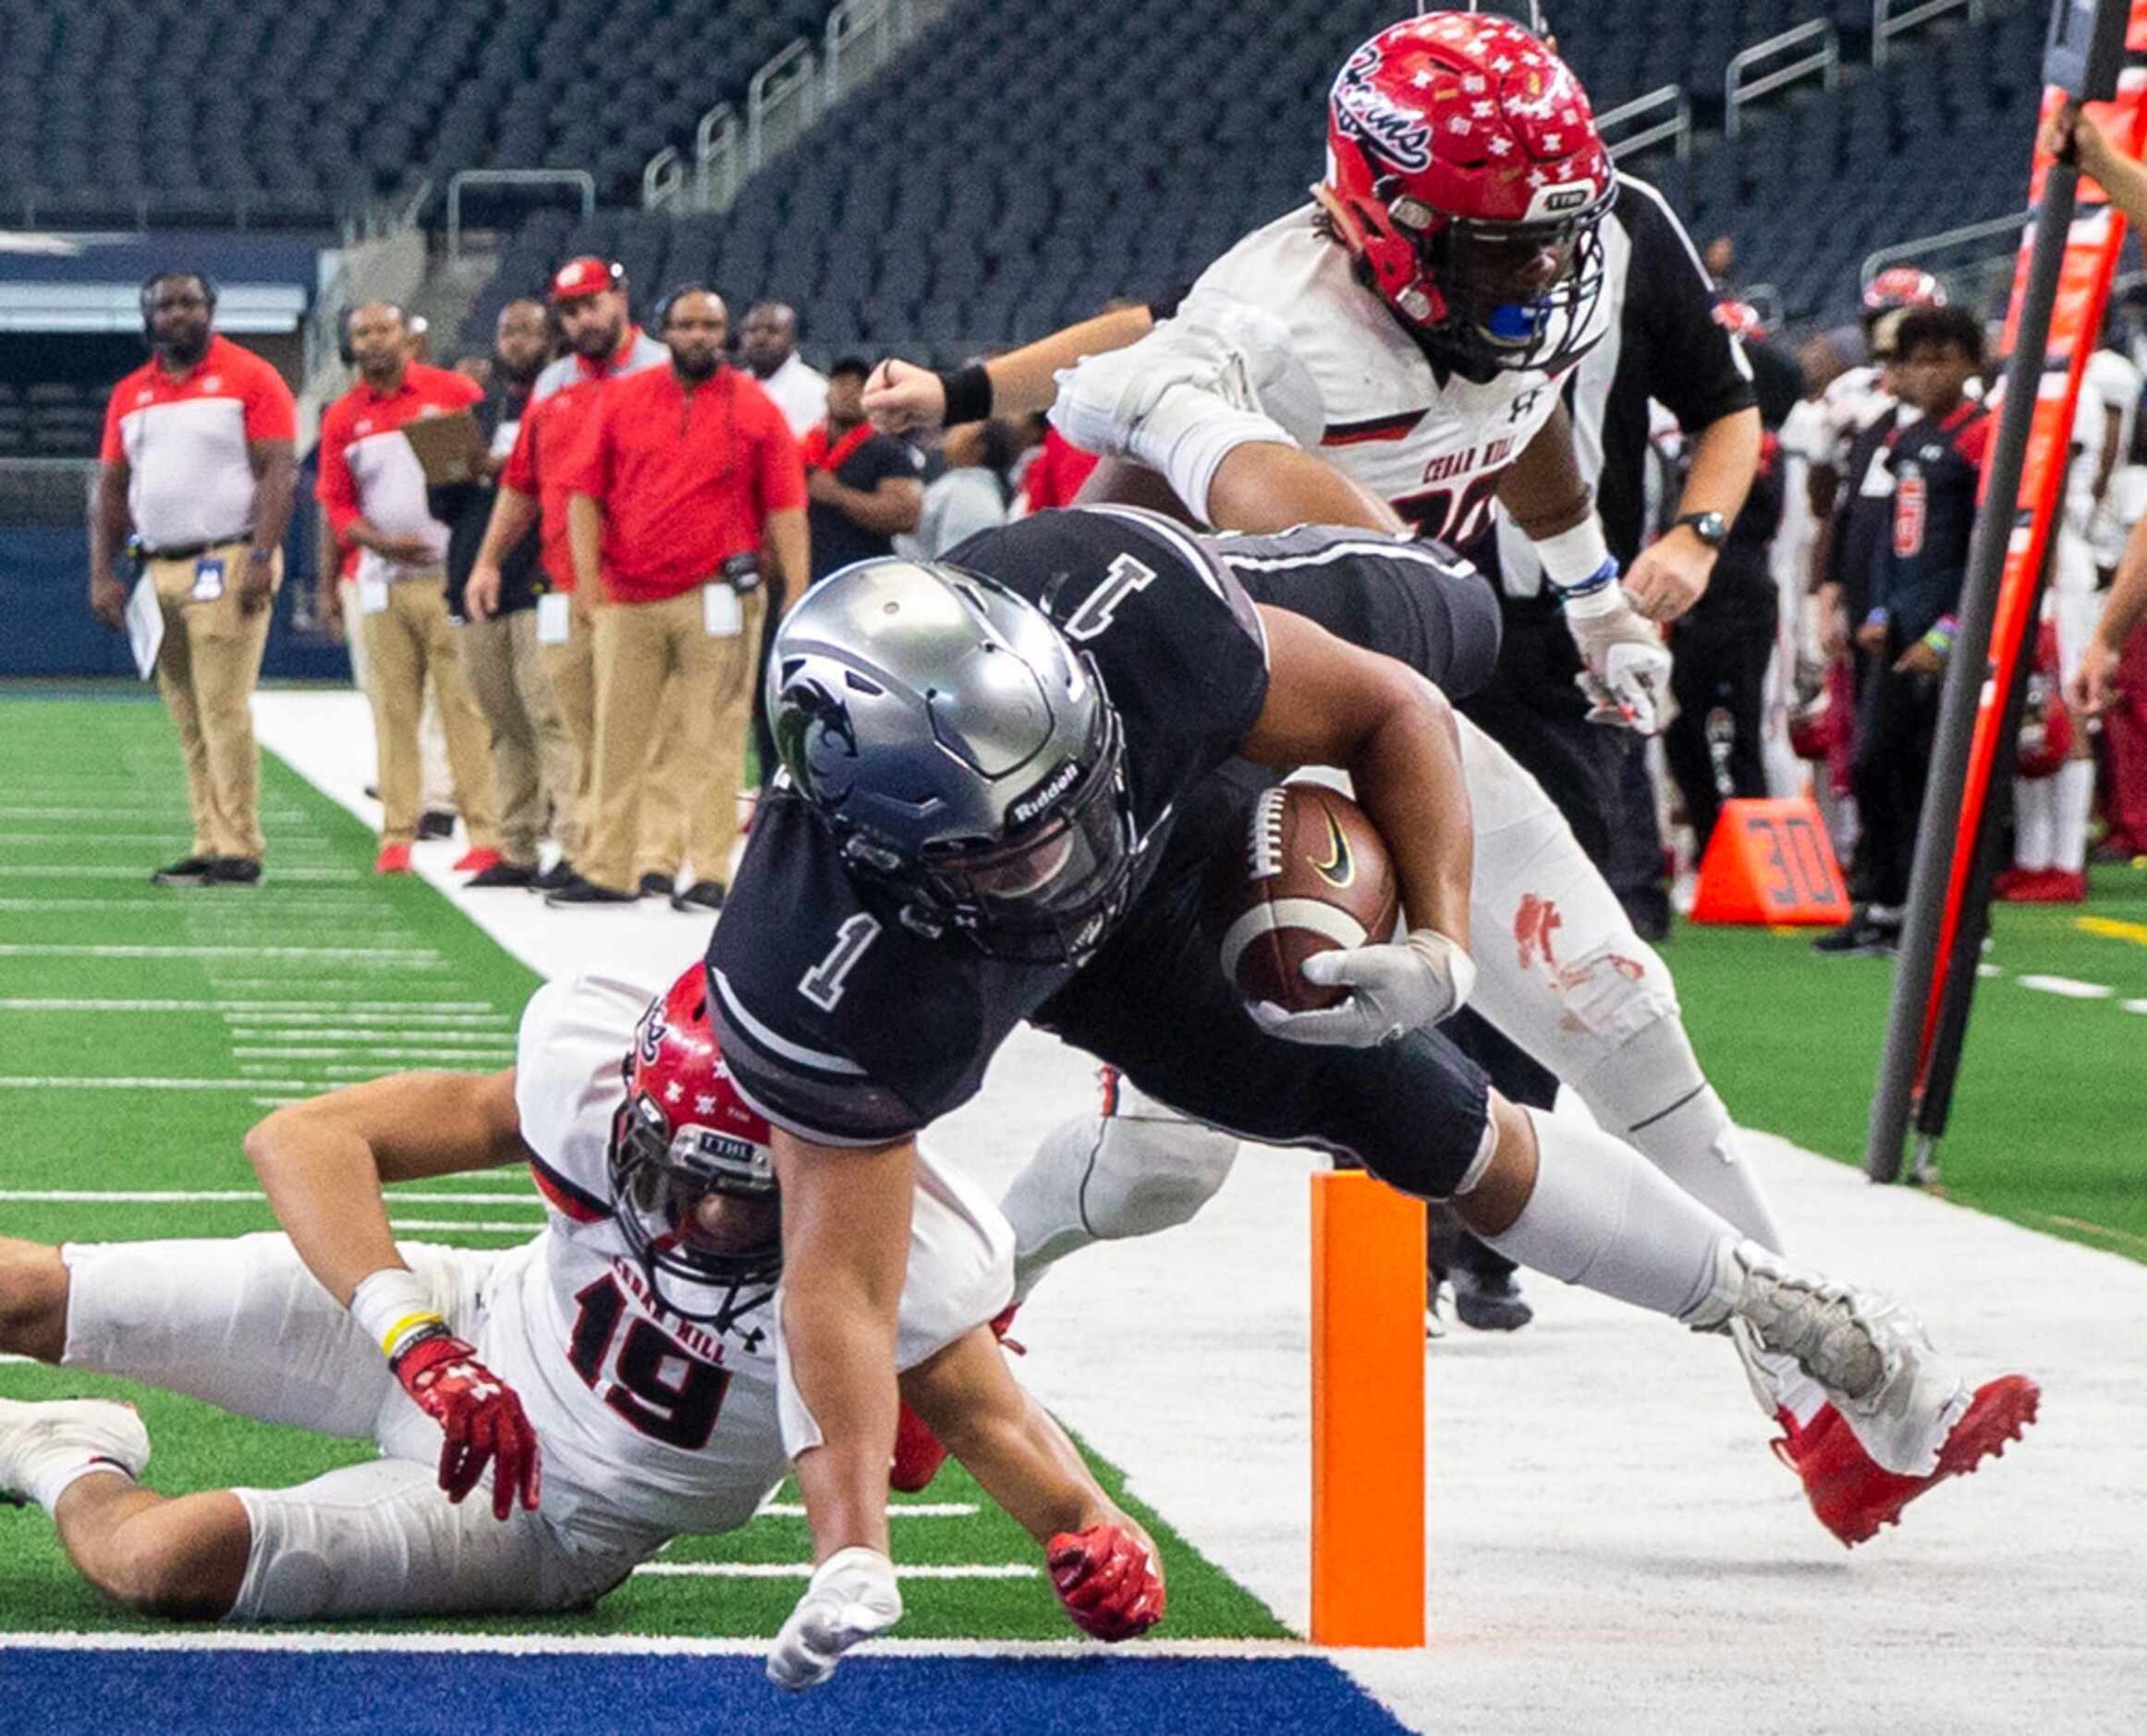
918,1452
1854,1497
393,858
475,861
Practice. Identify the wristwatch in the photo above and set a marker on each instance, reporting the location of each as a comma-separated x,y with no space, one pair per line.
1711,528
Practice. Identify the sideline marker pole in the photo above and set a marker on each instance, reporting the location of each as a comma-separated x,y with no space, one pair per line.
1368,1412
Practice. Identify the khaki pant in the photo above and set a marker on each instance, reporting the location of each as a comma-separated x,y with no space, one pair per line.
410,639
571,668
436,783
530,758
638,646
205,669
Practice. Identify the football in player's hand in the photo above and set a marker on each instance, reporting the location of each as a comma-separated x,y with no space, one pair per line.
1315,876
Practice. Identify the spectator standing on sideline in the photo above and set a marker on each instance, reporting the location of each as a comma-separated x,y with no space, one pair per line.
1936,465
198,464
768,345
864,485
589,300
532,765
373,489
690,473
974,490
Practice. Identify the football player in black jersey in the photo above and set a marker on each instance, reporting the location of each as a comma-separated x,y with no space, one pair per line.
1006,778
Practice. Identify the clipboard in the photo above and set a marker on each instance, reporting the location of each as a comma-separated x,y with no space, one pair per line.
450,447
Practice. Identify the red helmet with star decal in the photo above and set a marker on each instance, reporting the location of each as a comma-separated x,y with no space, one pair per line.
1465,176
682,1134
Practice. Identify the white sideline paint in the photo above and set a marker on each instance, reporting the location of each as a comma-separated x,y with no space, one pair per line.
896,1509
434,1226
155,1084
395,958
106,871
804,1570
1612,1547
283,1009
236,1196
630,1644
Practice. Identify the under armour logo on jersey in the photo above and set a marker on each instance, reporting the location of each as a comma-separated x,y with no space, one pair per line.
705,1104
1524,403
674,1091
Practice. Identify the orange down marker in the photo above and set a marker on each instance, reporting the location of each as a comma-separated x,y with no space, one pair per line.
1770,861
1368,1412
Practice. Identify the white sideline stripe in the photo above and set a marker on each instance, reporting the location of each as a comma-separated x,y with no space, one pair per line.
386,955
896,1509
273,913
9,1356
804,1570
487,1226
229,1196
352,1009
2134,1006
33,1082
178,816
172,834
641,1645
2072,988
106,871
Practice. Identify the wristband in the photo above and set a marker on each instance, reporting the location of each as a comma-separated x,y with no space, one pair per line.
395,1307
1940,637
1596,594
1574,559
969,394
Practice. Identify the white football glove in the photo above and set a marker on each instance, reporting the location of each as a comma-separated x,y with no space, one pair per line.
1627,677
1416,980
851,1598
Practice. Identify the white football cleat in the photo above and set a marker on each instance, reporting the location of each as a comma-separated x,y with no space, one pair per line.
38,1441
1898,1395
852,1597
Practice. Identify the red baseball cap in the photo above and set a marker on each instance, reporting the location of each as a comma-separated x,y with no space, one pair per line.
588,275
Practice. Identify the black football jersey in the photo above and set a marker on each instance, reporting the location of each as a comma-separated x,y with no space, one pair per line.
845,1026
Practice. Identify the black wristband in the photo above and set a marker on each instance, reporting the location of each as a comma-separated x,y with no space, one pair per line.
969,394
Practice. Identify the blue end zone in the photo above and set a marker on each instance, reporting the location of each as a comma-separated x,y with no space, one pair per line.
285,1694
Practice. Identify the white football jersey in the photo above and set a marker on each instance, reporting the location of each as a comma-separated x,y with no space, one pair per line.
676,1424
1362,392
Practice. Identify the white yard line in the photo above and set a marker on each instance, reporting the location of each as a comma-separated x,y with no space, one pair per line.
458,1051
108,871
896,1509
401,958
2071,988
804,1570
328,1012
402,1019
234,1196
36,1083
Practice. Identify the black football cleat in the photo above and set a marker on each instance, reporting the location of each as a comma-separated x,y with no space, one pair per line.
188,871
235,870
702,895
580,894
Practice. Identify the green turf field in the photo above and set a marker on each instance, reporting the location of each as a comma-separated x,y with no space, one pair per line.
2049,1125
144,1030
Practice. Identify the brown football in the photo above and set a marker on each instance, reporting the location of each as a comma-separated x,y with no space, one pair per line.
1315,876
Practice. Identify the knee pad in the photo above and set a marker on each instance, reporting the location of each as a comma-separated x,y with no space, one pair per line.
289,1576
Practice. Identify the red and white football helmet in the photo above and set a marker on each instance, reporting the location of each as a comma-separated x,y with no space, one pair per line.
683,1133
1902,287
1465,174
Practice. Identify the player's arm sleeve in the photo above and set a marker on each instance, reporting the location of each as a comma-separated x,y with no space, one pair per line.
801,1085
1419,602
1700,372
271,411
336,488
1220,375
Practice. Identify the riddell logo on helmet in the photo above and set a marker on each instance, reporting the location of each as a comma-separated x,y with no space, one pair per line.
1040,797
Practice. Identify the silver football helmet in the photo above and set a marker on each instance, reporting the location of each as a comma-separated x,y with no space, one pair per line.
961,751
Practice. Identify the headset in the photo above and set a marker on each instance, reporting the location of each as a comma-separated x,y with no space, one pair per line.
343,346
149,289
660,314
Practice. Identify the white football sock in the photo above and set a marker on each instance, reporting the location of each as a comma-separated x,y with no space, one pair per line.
2075,787
2034,822
1602,1216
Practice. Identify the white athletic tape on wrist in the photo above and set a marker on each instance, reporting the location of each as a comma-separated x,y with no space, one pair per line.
394,1305
1572,556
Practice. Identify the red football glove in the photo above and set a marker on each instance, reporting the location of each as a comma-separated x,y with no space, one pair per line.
1110,1584
483,1420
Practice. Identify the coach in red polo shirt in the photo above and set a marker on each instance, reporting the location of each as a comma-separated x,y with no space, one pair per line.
691,472
198,464
590,304
373,487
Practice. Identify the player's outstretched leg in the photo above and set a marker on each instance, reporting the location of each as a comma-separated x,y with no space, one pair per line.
1573,1202
183,1559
